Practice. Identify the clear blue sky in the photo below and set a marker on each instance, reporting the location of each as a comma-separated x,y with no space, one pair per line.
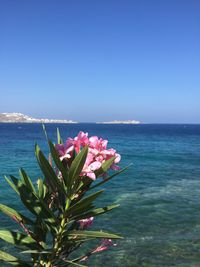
101,59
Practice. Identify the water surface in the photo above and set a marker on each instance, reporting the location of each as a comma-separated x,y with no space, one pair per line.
159,195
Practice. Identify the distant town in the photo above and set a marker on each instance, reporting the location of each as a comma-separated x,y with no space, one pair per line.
22,118
19,117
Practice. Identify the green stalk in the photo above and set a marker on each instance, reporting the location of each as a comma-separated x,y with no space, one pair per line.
58,244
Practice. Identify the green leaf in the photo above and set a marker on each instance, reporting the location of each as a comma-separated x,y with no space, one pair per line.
41,188
94,234
95,212
45,132
19,239
58,163
72,263
36,205
12,185
13,213
48,171
31,251
85,202
26,180
77,165
4,256
59,137
77,240
104,167
110,177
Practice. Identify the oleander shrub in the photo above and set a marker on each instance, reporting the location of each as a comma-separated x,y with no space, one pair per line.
62,204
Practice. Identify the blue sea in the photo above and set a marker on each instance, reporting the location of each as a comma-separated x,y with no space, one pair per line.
159,195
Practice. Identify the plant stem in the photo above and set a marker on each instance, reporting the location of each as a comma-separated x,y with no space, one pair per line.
49,264
58,245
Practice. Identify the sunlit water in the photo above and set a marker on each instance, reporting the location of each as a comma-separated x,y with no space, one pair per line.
159,195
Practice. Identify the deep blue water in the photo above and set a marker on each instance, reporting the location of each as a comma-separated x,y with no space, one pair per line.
159,195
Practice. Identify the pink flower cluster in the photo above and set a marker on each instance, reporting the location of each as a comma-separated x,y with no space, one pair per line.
97,153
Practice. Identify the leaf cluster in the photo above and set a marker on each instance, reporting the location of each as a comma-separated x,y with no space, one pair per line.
51,231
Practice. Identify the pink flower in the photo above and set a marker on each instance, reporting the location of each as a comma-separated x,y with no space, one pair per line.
99,249
80,140
99,144
105,244
97,153
85,223
88,170
64,151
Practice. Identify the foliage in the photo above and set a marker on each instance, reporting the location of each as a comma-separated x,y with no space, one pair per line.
61,205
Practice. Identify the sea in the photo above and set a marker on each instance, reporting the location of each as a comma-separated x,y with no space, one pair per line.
159,195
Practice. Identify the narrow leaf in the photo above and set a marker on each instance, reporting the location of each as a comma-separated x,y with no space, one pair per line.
59,139
27,181
73,263
95,212
40,188
48,170
109,178
14,214
31,251
104,167
36,205
83,202
58,163
94,234
4,256
12,185
77,165
45,132
18,239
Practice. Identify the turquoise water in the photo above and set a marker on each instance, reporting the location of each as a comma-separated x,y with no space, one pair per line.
159,215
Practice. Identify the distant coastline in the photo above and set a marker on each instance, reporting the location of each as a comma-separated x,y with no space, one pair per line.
16,117
120,122
21,118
